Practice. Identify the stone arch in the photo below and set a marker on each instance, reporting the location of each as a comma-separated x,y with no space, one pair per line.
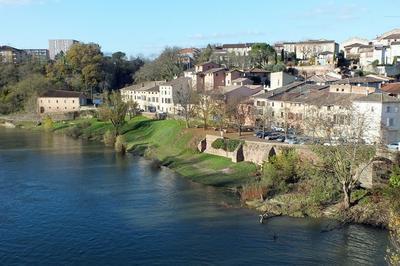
239,154
271,153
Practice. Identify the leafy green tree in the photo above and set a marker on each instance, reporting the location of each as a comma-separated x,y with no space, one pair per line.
165,67
115,111
205,55
261,54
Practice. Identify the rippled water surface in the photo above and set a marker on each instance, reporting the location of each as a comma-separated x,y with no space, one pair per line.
64,201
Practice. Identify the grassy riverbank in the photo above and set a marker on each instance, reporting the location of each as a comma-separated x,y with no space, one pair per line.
170,144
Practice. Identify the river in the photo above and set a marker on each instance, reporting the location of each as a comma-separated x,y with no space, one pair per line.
65,201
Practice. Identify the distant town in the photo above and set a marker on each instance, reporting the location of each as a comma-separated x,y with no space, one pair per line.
284,85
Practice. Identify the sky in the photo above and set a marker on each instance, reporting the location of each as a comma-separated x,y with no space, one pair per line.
145,27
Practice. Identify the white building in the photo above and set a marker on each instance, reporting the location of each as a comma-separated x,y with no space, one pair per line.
146,95
280,79
382,117
239,49
58,46
167,90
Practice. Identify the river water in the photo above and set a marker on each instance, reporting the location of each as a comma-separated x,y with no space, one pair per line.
64,201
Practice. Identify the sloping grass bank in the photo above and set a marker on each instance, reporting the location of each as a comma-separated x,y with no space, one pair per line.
170,144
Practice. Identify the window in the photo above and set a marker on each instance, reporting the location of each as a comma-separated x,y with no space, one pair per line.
272,104
56,101
273,113
372,109
281,114
281,104
387,109
389,122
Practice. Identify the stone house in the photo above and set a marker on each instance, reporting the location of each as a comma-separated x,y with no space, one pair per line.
60,101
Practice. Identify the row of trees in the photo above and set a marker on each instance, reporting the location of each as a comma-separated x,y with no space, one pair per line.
261,55
83,68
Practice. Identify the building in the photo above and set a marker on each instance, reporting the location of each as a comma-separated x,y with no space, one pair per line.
329,113
242,82
209,76
11,55
59,45
309,50
231,75
41,55
60,101
187,56
324,79
206,66
384,50
239,49
145,94
168,91
279,79
258,75
361,82
393,89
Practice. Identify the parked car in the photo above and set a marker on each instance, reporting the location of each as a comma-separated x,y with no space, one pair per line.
291,140
263,134
273,136
393,146
280,138
278,129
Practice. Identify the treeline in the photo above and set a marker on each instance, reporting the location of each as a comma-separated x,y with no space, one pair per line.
83,68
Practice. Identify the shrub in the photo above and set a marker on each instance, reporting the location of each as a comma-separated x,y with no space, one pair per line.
48,123
394,179
109,138
232,144
120,145
281,171
74,132
218,144
226,144
253,191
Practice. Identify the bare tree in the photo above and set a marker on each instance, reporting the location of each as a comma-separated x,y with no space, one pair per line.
267,117
347,157
185,98
205,108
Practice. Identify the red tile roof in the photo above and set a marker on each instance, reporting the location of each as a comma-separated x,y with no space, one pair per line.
393,88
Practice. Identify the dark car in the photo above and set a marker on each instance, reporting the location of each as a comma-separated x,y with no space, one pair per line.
272,136
263,134
281,138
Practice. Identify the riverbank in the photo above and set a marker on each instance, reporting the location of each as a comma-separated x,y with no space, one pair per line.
168,143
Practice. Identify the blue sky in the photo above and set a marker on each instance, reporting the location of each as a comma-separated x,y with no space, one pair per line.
146,26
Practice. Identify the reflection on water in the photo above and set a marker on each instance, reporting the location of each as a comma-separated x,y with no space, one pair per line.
64,201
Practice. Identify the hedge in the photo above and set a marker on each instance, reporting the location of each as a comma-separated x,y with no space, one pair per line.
226,144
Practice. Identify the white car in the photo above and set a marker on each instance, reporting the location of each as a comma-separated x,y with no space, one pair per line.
393,146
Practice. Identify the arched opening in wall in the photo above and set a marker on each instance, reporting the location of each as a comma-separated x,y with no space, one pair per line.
271,153
240,155
41,109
